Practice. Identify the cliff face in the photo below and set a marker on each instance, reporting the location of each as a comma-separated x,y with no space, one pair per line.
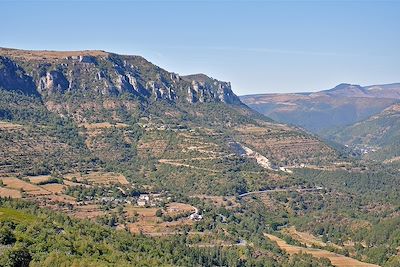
94,73
14,78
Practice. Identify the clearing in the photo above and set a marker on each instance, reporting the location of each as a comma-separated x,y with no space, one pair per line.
306,238
9,214
39,179
148,223
98,178
7,192
17,184
336,259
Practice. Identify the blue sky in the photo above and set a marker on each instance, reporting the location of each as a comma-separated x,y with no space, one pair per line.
260,46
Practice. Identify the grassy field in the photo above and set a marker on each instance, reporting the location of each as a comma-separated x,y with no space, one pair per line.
99,178
336,259
7,214
4,125
148,222
6,192
17,184
39,179
306,238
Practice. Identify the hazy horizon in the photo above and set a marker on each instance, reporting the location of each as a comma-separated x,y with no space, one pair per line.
260,47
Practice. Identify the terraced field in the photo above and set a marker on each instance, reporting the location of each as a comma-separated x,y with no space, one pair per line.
28,149
17,184
149,224
47,193
284,146
98,178
336,259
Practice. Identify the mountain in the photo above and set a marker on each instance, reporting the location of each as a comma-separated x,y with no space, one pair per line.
171,170
321,111
374,91
107,74
377,137
66,112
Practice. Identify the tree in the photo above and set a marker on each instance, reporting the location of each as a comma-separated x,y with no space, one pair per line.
6,235
18,256
159,213
112,221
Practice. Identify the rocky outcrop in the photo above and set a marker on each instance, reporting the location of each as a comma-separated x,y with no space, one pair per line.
225,93
14,78
82,59
206,89
52,82
160,91
106,74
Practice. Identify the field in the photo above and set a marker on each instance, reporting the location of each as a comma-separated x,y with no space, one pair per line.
7,214
94,130
53,199
98,178
102,125
148,223
280,144
219,201
175,208
9,126
87,212
308,239
336,259
6,192
70,183
17,184
54,188
45,193
50,55
39,179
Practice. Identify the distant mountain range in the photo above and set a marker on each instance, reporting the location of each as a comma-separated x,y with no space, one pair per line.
325,110
366,119
377,137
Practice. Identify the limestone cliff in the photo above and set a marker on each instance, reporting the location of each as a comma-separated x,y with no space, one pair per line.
100,73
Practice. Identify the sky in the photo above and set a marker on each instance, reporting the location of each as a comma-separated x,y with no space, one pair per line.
260,46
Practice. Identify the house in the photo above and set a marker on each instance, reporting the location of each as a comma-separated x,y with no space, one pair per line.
141,203
143,200
144,197
195,217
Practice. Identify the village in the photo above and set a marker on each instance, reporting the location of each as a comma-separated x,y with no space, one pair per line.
107,198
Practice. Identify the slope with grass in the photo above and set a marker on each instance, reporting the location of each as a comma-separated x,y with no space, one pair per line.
94,110
377,137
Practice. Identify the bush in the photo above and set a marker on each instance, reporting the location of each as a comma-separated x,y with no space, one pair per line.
6,235
18,256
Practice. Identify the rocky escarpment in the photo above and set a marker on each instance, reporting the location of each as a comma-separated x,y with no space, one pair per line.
206,89
14,78
106,74
53,81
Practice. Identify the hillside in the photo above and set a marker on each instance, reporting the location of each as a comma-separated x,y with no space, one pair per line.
64,112
321,111
187,173
377,137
